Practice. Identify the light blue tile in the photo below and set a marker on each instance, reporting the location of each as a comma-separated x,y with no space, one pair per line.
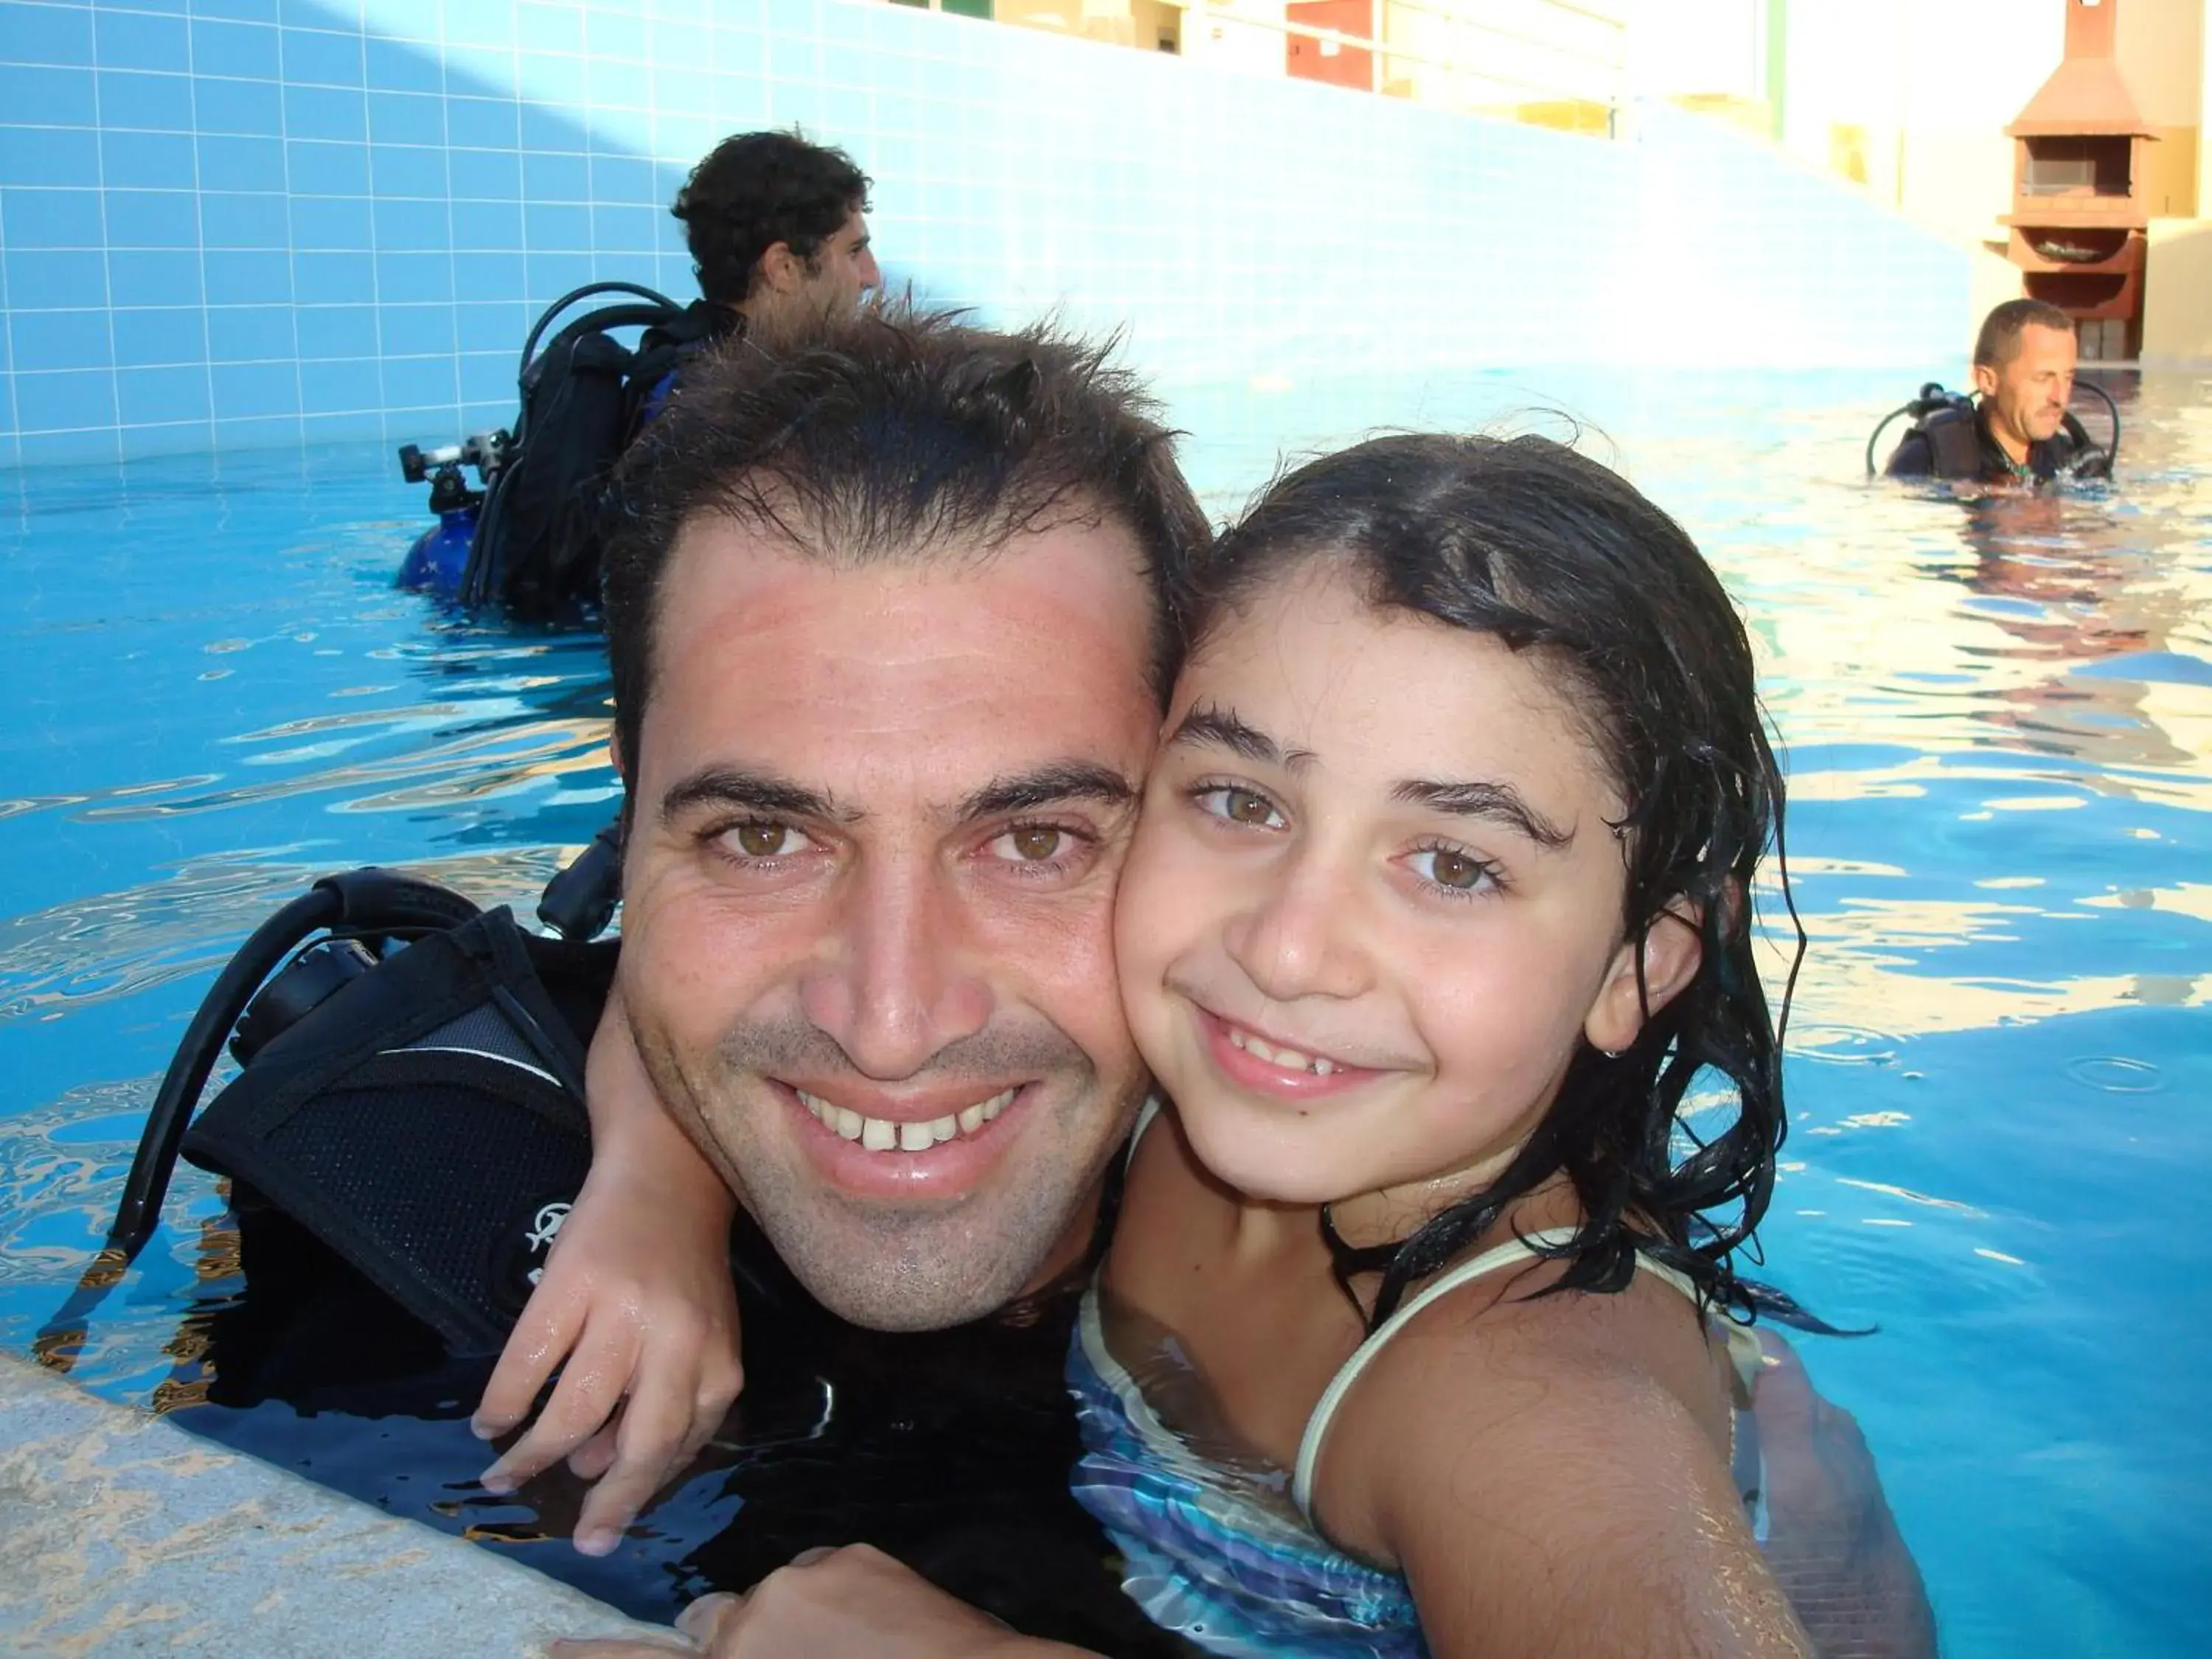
240,50
420,383
236,163
64,402
498,325
549,130
348,331
405,227
549,27
160,397
480,26
325,14
37,155
552,80
340,386
254,389
617,179
45,34
406,118
261,276
43,96
406,170
489,276
271,432
254,107
46,279
318,169
327,223
481,72
325,113
408,20
482,122
547,178
555,228
251,334
334,278
417,331
402,66
488,378
62,339
419,277
37,449
233,219
316,57
153,218
148,102
486,177
148,161
552,275
51,218
627,230
154,277
130,40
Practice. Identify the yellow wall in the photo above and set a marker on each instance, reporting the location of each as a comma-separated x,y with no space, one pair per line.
2177,292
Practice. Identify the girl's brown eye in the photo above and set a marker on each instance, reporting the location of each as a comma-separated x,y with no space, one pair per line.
1246,807
1036,842
1455,870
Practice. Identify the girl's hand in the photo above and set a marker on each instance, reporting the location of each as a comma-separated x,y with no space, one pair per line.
637,1308
835,1604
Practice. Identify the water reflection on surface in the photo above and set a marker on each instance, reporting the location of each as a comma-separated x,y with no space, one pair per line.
1998,723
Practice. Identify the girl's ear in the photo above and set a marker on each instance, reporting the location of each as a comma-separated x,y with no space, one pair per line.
1672,949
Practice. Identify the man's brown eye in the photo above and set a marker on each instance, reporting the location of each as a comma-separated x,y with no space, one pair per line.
762,840
1036,842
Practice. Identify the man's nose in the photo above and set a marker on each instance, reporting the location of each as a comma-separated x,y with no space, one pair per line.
898,985
1298,932
872,274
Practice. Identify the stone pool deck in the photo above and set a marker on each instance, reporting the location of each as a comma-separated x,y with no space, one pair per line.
120,1533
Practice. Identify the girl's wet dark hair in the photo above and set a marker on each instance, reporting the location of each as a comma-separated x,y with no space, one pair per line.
1546,550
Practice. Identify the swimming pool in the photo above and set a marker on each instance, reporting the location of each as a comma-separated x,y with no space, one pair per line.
1998,723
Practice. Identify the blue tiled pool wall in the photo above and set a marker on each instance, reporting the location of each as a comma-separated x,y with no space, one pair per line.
232,222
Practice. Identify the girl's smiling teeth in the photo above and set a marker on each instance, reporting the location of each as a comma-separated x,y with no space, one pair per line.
1275,1054
878,1134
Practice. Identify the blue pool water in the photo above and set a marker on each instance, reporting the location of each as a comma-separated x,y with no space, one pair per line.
1999,730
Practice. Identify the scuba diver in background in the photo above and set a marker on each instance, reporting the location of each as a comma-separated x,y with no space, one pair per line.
2020,430
777,233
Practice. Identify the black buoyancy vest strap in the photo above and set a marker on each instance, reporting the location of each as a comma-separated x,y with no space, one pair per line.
1954,440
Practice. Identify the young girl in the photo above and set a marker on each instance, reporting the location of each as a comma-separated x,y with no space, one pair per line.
1410,1338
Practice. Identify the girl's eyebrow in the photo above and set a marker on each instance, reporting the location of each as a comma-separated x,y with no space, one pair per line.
1209,726
1499,803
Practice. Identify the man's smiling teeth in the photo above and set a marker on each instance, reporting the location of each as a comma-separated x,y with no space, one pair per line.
878,1134
1318,1064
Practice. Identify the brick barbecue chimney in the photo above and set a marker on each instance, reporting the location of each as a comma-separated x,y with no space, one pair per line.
2078,209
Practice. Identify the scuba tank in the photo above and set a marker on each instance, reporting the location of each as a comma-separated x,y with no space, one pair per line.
1946,418
411,1094
439,555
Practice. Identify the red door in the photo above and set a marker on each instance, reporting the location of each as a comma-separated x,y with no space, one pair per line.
1318,60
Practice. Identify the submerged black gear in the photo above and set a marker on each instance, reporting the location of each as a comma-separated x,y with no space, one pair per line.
536,550
1950,440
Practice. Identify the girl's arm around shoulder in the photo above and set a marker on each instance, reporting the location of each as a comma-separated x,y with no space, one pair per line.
1547,1494
636,1307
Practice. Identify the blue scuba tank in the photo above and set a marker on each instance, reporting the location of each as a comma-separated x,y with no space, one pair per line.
441,554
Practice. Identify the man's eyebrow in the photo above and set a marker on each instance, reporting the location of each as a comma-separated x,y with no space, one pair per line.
1500,803
1046,786
1222,728
756,792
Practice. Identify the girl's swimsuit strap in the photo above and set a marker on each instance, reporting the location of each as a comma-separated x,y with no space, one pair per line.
1743,1346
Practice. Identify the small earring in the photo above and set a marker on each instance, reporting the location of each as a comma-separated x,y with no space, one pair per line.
1612,1053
